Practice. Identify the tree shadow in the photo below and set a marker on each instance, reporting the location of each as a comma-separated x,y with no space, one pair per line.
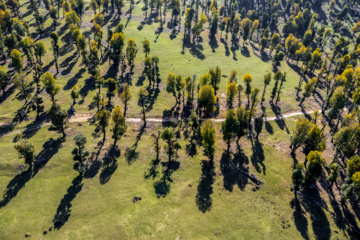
130,153
88,86
213,43
93,165
151,98
72,60
63,211
227,52
245,51
314,205
230,166
32,128
162,186
110,164
299,218
269,128
50,148
258,157
73,80
205,189
279,119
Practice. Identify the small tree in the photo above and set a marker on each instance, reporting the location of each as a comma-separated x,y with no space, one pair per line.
208,139
231,91
297,179
314,169
229,127
58,117
102,118
74,94
50,85
40,50
207,99
146,47
23,84
56,49
168,136
131,51
258,125
112,88
118,122
267,80
300,133
27,151
334,174
142,100
247,80
125,97
80,155
16,60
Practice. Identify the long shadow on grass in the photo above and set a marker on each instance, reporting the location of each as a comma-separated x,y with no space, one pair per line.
279,118
299,217
258,157
314,205
63,211
233,169
51,147
162,186
205,189
130,153
72,81
110,164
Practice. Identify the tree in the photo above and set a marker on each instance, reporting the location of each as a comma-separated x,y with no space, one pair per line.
208,139
72,18
27,151
56,49
98,19
40,50
245,26
58,117
93,5
215,74
231,91
50,85
171,85
258,125
102,118
125,97
168,136
118,122
334,174
81,47
247,80
146,47
112,88
300,133
23,84
16,60
117,44
314,169
131,51
4,80
297,179
74,93
267,80
80,155
142,100
207,99
229,127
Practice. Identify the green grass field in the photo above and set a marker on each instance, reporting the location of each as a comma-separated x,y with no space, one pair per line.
199,203
186,199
